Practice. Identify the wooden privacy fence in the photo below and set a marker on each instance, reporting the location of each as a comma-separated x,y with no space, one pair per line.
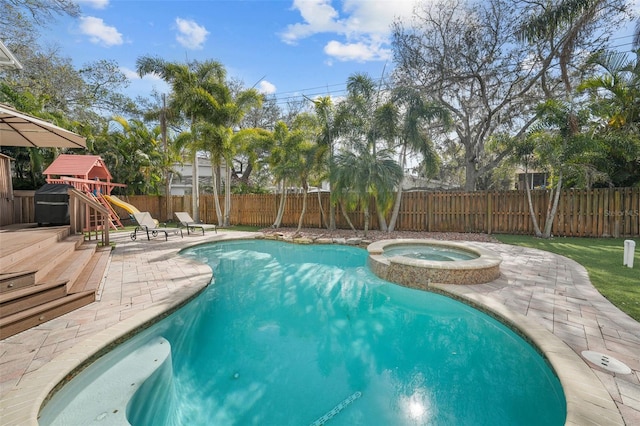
613,212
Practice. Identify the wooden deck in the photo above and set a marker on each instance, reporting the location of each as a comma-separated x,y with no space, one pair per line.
15,239
44,273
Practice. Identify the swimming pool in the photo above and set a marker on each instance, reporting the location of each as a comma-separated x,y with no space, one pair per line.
429,252
288,334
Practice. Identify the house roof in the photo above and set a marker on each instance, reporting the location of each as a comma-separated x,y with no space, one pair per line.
7,60
79,166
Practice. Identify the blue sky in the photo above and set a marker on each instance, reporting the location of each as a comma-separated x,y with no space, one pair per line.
284,47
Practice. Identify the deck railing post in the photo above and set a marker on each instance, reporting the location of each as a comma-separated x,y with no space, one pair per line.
87,215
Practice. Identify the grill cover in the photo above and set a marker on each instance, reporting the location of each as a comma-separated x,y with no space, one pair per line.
52,204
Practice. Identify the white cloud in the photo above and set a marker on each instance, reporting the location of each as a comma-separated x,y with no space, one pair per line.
375,17
318,15
99,32
190,34
133,75
267,88
96,4
360,52
145,85
364,26
129,73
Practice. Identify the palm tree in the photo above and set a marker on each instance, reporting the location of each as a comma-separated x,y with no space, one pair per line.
285,161
191,93
617,90
562,25
131,152
307,156
327,133
215,140
170,147
230,112
614,101
565,20
363,123
557,140
412,135
223,115
362,176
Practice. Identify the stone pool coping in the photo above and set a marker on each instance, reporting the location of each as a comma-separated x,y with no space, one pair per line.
588,402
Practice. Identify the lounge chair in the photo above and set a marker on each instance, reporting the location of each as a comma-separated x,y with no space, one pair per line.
185,220
147,224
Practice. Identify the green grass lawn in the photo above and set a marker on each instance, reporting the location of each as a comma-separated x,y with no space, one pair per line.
602,257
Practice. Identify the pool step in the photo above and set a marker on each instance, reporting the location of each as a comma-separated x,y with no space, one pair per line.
83,402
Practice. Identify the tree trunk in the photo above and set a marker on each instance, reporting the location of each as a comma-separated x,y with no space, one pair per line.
396,204
245,175
332,205
534,219
227,194
280,214
167,171
215,171
323,215
366,219
332,215
381,219
471,174
195,194
195,190
346,216
167,194
304,207
396,210
551,214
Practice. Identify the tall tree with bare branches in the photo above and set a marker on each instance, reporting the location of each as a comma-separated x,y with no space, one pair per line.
480,61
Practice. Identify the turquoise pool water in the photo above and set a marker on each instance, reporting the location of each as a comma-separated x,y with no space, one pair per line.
427,252
305,335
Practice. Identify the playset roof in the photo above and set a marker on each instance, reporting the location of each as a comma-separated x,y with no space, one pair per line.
79,166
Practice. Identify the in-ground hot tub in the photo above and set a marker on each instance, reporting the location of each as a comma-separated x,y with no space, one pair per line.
418,263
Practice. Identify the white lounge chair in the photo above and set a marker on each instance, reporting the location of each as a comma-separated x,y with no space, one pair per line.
184,219
147,224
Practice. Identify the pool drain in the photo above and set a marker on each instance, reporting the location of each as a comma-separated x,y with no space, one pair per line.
607,362
322,420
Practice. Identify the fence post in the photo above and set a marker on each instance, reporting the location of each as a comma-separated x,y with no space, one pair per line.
429,210
617,208
489,212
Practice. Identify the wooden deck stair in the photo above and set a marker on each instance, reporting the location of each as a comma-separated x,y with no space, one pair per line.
45,273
